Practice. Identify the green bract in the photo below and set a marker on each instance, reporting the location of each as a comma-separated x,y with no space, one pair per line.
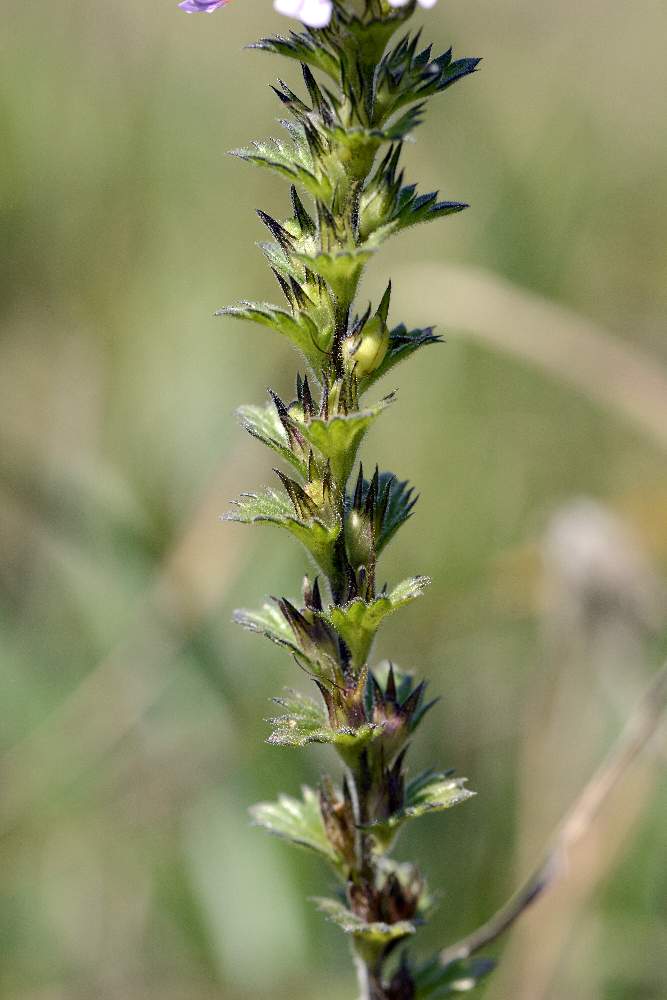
365,88
358,621
297,820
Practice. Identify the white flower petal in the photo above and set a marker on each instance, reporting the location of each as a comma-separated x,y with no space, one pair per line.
316,13
290,8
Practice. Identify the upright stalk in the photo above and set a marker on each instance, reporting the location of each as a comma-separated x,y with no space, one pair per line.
366,84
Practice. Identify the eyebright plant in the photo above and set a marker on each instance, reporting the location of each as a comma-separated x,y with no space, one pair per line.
367,80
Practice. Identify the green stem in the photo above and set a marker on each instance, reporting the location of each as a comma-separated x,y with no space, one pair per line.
369,972
369,979
363,978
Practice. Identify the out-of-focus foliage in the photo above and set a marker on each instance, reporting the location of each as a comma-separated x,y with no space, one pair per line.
130,741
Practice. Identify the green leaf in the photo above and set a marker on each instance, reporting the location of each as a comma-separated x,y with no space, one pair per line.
297,820
298,328
289,159
401,128
357,147
304,722
402,344
388,206
268,621
412,209
305,48
429,792
406,76
339,437
271,507
400,505
357,622
433,980
263,423
374,934
341,270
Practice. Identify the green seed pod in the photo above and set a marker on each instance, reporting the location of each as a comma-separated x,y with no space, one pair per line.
365,351
359,539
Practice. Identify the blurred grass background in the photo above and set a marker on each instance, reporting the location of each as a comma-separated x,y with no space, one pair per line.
131,733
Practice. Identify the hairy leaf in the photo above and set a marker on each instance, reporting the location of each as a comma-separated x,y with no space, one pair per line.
271,507
402,344
407,75
429,792
400,504
410,209
267,621
339,437
298,327
292,160
304,722
297,820
357,622
377,933
303,47
264,424
341,270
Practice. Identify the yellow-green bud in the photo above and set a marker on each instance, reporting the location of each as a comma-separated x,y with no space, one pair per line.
315,490
364,352
358,539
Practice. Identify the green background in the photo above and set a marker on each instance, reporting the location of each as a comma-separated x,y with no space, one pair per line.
130,708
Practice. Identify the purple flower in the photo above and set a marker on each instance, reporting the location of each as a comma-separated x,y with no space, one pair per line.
201,6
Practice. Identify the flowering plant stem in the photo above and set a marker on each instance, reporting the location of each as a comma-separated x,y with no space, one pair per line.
367,81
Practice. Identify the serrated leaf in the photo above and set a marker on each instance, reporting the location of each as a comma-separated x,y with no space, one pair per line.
404,680
422,208
298,328
263,423
406,75
432,792
304,722
433,980
267,621
401,502
298,821
303,47
377,933
387,205
339,437
289,159
341,271
360,146
427,793
402,344
366,141
271,507
357,622
400,129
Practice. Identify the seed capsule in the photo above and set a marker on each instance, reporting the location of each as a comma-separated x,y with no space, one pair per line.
364,352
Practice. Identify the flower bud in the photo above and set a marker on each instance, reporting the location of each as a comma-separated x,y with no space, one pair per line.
359,539
364,352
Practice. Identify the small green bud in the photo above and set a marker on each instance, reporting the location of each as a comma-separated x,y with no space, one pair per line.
359,539
365,351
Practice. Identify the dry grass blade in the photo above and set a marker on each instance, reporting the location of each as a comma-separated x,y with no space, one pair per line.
560,342
577,822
